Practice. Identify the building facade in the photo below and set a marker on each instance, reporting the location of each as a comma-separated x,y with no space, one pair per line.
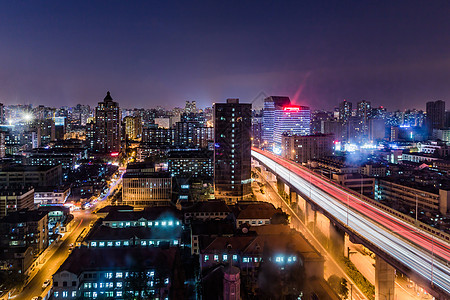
107,126
232,150
305,148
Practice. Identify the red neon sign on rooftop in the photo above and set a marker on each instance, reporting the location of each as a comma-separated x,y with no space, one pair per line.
292,108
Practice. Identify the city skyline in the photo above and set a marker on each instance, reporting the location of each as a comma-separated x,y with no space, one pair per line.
151,54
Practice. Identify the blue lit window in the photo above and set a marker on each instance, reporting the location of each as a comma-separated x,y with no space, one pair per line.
163,223
143,243
101,244
93,244
119,293
225,257
170,223
110,244
126,243
56,294
235,257
156,223
206,257
119,275
118,244
245,259
166,281
216,257
175,242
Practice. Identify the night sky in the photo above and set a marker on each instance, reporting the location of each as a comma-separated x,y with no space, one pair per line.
393,53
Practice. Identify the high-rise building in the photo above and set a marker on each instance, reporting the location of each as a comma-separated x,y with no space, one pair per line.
133,127
2,114
191,107
292,119
232,150
364,113
271,104
435,115
345,111
107,126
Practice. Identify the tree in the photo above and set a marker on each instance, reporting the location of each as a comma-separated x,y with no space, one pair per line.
339,285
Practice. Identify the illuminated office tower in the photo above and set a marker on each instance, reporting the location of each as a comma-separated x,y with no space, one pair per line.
292,119
271,105
232,150
133,127
107,126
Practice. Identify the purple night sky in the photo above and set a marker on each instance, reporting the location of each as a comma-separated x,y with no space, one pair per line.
393,53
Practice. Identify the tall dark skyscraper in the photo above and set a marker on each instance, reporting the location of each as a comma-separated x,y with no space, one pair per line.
436,115
107,126
232,150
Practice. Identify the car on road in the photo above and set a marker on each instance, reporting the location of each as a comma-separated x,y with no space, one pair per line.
46,283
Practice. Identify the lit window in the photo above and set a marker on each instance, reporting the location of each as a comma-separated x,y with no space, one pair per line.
166,281
56,294
93,244
74,293
206,257
170,223
119,294
126,243
117,244
216,257
119,284
101,244
156,223
225,257
110,244
235,257
175,242
143,243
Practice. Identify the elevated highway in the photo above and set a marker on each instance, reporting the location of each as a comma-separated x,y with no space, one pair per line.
414,248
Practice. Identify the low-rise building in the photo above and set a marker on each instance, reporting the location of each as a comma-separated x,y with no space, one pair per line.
139,236
149,217
48,195
412,195
31,175
118,273
15,198
304,148
207,210
25,228
256,214
357,182
146,189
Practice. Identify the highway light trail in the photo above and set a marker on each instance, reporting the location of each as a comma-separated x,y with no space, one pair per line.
428,256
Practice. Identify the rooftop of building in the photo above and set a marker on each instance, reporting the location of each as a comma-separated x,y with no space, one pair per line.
107,233
24,216
111,208
28,168
93,259
273,238
205,154
259,210
14,190
213,227
148,175
150,213
209,206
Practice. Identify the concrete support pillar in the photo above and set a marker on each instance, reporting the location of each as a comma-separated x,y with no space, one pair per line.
384,280
310,216
337,240
293,197
301,202
280,186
